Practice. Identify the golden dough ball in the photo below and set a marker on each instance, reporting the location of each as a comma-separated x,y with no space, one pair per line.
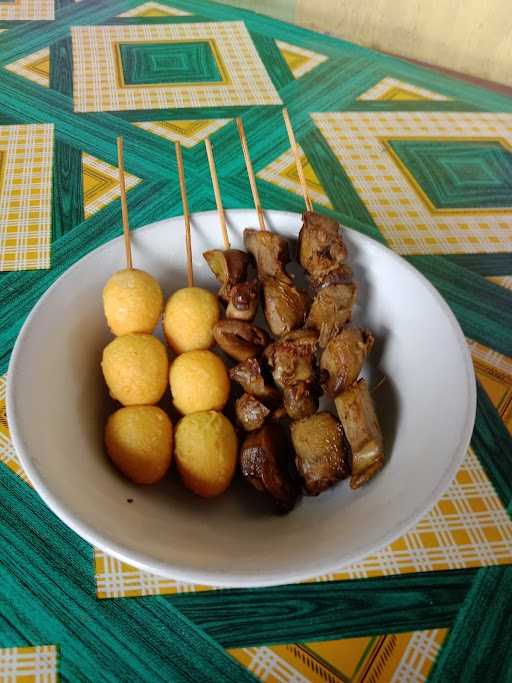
199,381
206,452
132,301
135,367
139,442
189,317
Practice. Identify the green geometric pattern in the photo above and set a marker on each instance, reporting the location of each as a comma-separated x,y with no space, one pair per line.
47,591
458,174
168,63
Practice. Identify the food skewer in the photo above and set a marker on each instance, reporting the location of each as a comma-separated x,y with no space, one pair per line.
124,204
186,213
205,441
285,306
191,312
322,254
216,191
250,173
138,436
235,335
298,160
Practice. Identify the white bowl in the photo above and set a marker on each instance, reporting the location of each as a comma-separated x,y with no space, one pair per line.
57,408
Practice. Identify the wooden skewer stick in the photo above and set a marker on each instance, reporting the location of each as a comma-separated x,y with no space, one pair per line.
250,173
216,192
186,214
298,160
124,205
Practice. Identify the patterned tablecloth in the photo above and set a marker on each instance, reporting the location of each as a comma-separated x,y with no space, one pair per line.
414,159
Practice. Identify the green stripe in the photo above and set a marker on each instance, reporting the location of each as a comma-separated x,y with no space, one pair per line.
330,610
492,443
484,264
48,596
479,646
274,62
68,201
483,309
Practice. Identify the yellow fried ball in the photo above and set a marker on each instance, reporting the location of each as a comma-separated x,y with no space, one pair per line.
206,452
199,381
139,442
135,367
132,301
189,317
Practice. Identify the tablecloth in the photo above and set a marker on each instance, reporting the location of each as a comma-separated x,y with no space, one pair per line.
412,158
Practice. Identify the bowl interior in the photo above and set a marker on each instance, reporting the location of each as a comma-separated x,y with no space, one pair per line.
57,407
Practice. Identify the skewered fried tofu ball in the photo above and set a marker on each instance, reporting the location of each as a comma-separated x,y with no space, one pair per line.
132,301
199,381
135,367
189,317
139,442
206,452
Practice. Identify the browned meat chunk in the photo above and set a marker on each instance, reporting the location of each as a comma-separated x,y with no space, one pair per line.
239,339
322,452
331,310
357,414
229,267
342,359
250,377
250,412
265,463
270,252
286,306
300,400
292,358
243,301
338,276
321,248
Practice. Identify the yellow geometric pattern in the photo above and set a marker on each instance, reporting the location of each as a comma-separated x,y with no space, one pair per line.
95,71
300,60
188,132
26,155
283,173
28,664
379,659
154,9
393,198
101,183
35,67
494,372
30,10
393,89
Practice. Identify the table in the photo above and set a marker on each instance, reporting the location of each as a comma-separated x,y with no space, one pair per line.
414,159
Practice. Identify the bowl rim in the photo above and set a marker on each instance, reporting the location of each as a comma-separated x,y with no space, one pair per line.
138,559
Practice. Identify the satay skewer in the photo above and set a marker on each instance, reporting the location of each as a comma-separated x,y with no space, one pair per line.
124,205
186,214
250,173
298,160
216,192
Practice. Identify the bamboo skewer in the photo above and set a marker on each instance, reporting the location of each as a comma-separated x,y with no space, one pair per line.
216,191
124,205
298,160
250,173
186,214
